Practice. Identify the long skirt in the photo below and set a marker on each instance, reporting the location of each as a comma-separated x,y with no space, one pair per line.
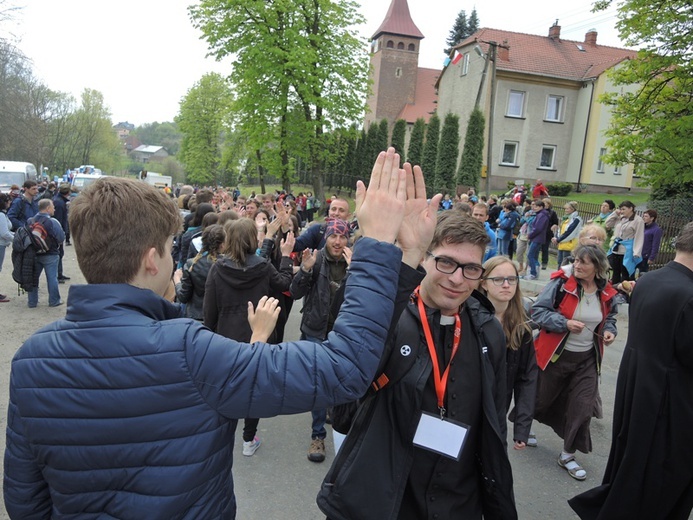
567,392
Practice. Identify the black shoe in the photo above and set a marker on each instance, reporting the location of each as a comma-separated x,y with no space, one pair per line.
543,268
63,277
61,280
57,304
67,243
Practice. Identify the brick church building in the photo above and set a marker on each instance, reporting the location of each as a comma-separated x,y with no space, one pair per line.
400,88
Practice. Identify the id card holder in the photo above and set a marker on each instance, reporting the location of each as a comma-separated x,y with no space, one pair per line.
443,436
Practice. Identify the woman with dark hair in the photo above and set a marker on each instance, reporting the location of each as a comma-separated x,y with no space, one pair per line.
196,242
238,279
625,250
195,226
501,286
190,281
577,316
6,235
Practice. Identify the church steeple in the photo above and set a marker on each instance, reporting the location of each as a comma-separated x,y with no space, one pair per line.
398,22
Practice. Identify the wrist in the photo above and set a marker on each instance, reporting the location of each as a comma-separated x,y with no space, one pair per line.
306,271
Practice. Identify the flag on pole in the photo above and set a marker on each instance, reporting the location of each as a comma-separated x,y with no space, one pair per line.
456,58
446,62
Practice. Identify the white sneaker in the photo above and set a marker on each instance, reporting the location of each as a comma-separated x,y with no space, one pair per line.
250,447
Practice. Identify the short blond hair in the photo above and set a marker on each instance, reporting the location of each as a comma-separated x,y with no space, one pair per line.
114,222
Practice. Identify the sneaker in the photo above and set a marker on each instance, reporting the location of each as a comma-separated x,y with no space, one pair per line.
316,452
250,447
57,304
543,267
63,277
3,298
529,277
532,440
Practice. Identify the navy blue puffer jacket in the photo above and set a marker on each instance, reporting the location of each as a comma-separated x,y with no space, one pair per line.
123,410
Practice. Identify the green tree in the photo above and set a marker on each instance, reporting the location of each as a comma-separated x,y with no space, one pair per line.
473,152
164,134
430,151
448,150
461,29
372,149
416,142
306,54
361,165
652,117
383,131
202,119
399,133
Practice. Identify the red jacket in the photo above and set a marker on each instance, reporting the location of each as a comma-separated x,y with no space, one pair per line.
539,191
552,339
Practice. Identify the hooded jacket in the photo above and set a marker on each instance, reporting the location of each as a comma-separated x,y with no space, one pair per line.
125,410
191,289
230,286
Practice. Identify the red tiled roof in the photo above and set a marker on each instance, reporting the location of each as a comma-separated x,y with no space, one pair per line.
426,97
544,56
398,21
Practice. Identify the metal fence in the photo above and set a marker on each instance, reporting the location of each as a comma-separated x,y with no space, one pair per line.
672,215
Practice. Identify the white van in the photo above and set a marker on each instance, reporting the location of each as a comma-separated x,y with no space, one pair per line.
156,179
82,180
13,172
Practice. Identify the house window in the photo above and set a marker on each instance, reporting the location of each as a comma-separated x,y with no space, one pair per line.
398,72
390,44
516,104
617,170
400,46
548,156
600,163
464,69
509,153
412,47
554,108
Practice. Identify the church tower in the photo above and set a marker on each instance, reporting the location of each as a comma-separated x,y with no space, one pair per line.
394,65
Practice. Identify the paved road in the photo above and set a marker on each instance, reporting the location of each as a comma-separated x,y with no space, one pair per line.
280,483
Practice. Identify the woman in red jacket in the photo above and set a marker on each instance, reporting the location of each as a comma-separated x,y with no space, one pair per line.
577,316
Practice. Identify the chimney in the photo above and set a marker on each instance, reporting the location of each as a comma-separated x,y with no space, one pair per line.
504,51
591,37
555,31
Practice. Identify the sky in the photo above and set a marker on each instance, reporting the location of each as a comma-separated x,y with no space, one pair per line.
144,55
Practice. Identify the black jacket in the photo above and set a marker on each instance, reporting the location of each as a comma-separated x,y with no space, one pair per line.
191,289
522,381
369,475
231,286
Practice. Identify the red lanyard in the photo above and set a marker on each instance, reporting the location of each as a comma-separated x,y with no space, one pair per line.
440,380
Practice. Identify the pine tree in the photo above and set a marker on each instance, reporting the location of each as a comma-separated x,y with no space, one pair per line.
361,159
398,136
416,142
473,152
383,131
430,152
457,32
472,24
448,150
373,148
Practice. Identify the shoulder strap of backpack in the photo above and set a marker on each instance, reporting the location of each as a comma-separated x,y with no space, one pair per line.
560,293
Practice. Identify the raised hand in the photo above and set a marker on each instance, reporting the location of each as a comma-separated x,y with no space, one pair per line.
308,259
273,227
420,217
347,255
380,207
287,245
263,319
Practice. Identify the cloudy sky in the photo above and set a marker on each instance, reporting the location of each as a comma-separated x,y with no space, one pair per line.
144,55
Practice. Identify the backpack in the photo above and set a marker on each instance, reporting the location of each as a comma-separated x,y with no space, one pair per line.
39,236
23,257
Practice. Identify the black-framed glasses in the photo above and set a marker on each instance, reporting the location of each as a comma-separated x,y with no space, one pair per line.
448,266
500,280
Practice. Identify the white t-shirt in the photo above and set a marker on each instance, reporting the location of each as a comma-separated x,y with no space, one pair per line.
588,312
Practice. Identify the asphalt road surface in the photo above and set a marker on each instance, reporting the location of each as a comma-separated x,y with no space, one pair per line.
279,482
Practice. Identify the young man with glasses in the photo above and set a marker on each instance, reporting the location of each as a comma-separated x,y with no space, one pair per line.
431,442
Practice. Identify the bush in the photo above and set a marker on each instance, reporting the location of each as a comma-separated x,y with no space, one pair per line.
559,189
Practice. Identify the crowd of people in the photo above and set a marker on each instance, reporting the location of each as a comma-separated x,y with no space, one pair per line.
414,337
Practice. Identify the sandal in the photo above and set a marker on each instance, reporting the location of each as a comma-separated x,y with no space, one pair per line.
573,468
532,440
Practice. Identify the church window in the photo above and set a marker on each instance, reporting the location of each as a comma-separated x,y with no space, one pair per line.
400,46
390,44
412,47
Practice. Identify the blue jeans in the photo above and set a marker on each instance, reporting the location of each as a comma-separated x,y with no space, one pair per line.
320,415
562,255
533,257
504,246
50,264
2,256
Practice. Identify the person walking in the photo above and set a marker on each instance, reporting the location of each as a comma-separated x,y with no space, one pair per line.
48,261
577,316
651,241
625,252
6,235
537,236
501,285
568,231
648,473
